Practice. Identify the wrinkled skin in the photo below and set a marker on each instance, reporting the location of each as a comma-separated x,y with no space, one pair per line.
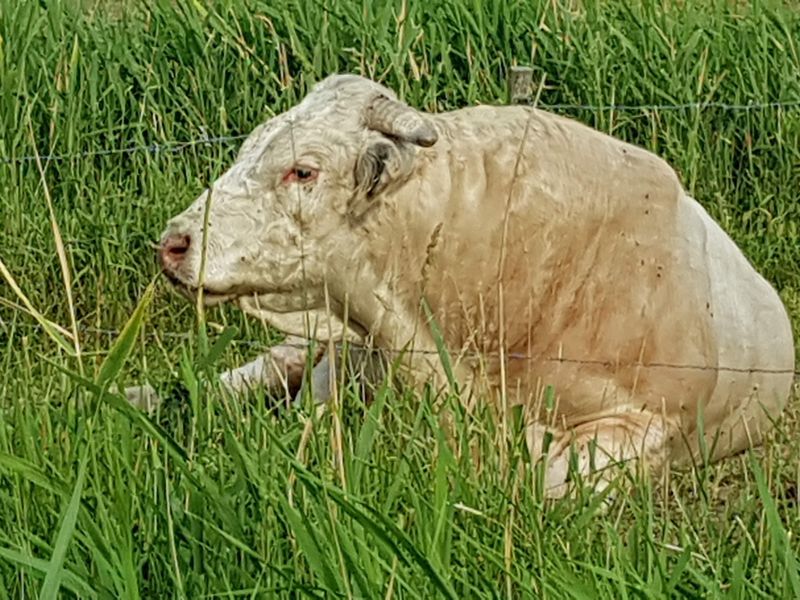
530,238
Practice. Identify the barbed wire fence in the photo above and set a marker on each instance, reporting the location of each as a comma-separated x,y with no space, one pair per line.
185,337
177,146
518,93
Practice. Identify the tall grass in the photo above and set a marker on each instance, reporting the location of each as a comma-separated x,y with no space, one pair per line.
217,496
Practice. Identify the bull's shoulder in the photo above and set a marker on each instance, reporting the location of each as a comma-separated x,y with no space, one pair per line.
565,139
606,168
482,124
559,160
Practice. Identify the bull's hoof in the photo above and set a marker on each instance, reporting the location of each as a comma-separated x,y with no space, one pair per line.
144,397
147,399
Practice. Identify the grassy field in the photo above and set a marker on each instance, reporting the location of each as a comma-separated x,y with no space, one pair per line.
217,497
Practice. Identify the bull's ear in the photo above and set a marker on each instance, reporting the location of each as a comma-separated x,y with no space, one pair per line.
372,168
382,163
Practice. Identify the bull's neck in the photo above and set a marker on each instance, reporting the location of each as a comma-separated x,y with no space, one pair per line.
439,239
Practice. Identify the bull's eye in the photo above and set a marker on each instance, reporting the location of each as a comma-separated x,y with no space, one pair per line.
300,174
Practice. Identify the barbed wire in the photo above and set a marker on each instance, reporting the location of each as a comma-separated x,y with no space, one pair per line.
184,336
175,146
670,107
168,147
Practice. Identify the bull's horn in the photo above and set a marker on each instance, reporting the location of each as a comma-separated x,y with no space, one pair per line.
401,121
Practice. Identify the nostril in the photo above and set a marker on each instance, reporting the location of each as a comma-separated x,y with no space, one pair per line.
174,248
179,246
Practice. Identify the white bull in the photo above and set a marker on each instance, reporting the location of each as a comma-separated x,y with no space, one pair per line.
546,251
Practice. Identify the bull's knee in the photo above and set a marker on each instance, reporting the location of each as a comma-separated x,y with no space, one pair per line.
279,370
362,365
317,384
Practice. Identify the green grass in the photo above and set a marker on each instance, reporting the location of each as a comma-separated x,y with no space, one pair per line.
216,497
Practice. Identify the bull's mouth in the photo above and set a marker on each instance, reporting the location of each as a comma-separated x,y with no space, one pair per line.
210,297
276,299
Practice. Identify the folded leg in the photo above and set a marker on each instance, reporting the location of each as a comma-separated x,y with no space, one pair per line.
277,371
598,447
282,371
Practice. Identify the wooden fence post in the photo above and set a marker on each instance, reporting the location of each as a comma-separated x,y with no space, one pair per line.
520,85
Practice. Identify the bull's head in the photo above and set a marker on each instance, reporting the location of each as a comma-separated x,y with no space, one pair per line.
279,217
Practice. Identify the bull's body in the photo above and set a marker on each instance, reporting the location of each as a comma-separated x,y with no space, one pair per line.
603,261
548,252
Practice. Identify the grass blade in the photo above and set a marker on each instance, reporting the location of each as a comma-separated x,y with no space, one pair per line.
53,574
368,517
121,349
438,339
309,545
61,251
30,472
780,541
52,330
69,580
216,350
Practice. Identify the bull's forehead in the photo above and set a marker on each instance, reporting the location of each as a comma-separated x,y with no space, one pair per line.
338,99
342,98
265,139
350,88
336,104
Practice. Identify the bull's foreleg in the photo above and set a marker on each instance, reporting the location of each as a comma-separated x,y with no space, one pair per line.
282,370
598,448
279,370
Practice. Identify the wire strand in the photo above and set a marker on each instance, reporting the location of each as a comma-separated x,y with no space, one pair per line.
165,147
175,146
476,355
